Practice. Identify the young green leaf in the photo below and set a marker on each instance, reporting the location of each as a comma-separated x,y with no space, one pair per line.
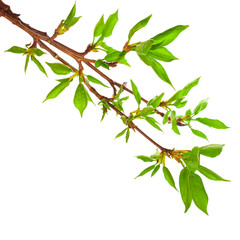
162,54
127,135
211,150
212,123
26,63
210,174
144,158
153,122
169,35
57,90
146,59
70,15
39,65
174,123
100,62
143,47
138,26
38,52
80,99
124,98
114,56
160,71
199,195
105,104
136,93
156,155
110,24
177,95
189,86
107,48
148,169
59,68
89,97
110,50
155,170
199,133
95,80
165,118
184,188
146,111
72,22
155,102
201,106
188,112
192,159
180,104
16,49
124,62
121,133
64,79
175,127
118,105
182,93
99,42
99,27
168,177
119,92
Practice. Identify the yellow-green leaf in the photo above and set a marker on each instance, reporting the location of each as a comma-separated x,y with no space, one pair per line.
57,90
144,158
184,188
211,150
136,93
212,123
121,133
99,27
169,35
39,65
80,99
16,49
70,15
148,169
110,24
160,71
199,195
162,54
168,177
155,170
210,174
59,68
138,26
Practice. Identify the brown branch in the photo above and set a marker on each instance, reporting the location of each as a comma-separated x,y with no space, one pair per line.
101,97
55,55
88,50
14,18
39,37
112,82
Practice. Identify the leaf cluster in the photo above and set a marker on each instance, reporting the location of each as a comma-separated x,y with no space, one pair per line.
151,52
70,21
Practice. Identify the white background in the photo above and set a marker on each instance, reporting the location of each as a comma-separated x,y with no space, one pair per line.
63,177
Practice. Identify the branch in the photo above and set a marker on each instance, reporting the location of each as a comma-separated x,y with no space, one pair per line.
101,97
191,185
6,12
37,35
112,82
